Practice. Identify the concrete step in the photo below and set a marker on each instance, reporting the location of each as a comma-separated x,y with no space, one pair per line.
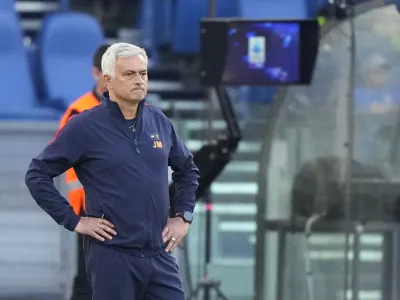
30,296
251,131
232,197
240,171
32,12
244,146
247,151
35,7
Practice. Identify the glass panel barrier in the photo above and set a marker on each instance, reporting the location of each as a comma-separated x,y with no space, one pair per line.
310,135
309,127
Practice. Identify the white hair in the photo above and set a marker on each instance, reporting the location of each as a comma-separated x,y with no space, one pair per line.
119,50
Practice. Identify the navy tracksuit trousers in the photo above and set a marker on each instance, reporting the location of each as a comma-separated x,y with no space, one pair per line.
115,275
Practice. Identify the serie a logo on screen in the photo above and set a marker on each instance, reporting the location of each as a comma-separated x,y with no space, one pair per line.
256,51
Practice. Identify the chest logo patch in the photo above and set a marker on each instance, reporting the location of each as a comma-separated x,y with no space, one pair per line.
154,136
157,144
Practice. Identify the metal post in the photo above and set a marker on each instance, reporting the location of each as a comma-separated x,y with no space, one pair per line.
211,8
280,288
349,162
211,14
355,268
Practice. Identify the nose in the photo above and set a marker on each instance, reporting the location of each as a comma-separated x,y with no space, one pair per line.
138,79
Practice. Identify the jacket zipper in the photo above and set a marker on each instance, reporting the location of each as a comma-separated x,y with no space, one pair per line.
134,135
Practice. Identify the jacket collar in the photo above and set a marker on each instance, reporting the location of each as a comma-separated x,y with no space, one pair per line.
114,107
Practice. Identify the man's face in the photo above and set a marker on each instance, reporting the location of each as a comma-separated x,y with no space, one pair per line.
378,78
129,82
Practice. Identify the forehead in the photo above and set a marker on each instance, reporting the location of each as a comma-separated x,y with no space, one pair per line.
134,63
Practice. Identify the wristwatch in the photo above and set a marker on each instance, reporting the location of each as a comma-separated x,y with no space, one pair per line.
187,216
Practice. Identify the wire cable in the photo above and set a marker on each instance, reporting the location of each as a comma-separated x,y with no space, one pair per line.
307,253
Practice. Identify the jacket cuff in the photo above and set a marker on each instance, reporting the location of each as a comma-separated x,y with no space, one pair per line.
183,208
72,221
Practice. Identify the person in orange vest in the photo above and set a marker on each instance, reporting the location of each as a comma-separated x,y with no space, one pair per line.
81,288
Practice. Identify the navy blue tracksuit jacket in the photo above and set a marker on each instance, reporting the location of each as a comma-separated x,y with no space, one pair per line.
124,173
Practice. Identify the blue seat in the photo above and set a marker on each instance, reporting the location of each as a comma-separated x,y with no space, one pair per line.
67,42
64,5
315,6
186,31
17,91
7,5
154,22
288,9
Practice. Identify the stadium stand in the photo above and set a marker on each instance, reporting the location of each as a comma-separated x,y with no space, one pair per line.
31,14
66,43
7,5
273,9
18,93
186,28
155,34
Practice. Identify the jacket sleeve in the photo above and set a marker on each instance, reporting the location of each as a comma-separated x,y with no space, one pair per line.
62,153
185,174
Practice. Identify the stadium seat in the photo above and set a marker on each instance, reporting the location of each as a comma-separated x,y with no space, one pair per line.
154,22
67,42
315,6
186,30
64,5
7,5
289,9
17,91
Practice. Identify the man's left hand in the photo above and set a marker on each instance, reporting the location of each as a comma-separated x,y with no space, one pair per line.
175,230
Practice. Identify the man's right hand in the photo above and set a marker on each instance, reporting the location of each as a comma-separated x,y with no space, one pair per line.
98,228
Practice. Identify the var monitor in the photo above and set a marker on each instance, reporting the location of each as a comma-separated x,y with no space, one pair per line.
258,52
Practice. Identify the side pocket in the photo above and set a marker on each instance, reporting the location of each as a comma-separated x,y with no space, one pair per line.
171,259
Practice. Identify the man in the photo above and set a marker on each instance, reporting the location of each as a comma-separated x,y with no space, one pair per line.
374,111
121,151
76,196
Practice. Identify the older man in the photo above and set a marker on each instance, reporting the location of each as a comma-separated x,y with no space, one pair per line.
121,151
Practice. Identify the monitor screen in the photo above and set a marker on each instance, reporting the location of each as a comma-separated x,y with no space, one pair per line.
259,52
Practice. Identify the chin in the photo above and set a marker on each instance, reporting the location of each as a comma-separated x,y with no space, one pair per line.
137,96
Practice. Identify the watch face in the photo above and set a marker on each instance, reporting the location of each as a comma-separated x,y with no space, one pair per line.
188,216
